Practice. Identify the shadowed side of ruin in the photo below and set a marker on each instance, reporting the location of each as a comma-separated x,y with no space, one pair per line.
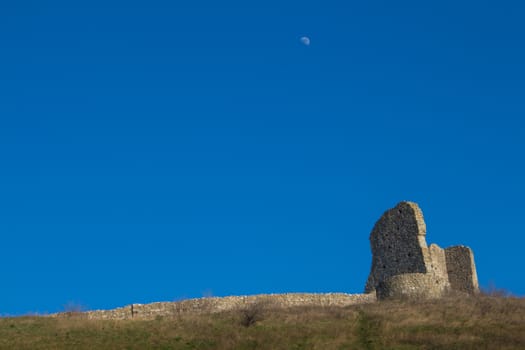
403,265
461,269
397,241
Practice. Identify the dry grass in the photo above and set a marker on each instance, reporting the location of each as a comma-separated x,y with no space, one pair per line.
483,322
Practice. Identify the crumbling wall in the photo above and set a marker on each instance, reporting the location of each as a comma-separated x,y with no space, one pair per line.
404,266
398,242
461,269
221,304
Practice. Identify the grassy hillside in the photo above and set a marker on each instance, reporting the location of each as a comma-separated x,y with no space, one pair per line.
471,323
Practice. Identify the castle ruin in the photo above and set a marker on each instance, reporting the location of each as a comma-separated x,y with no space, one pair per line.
404,266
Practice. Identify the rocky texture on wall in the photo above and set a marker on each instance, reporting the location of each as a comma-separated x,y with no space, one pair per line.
222,304
404,266
461,269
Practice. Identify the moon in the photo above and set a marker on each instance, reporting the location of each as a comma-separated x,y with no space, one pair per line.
305,40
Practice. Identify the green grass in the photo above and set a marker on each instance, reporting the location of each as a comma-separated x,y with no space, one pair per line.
453,323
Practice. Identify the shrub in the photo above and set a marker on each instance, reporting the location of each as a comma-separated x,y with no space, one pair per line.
252,313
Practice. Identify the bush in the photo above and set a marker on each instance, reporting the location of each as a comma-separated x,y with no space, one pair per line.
252,313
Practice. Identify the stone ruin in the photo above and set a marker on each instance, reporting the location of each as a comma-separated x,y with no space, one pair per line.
403,266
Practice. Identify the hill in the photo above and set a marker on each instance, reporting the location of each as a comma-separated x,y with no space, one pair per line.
479,322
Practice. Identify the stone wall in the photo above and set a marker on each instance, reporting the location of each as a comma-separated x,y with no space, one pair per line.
221,304
403,265
461,269
397,241
409,286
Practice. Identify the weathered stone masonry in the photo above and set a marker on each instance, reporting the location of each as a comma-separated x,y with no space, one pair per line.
217,304
404,266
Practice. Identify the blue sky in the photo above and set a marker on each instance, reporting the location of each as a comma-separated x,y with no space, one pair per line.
159,150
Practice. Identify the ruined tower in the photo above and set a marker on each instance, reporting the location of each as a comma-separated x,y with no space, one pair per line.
404,266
